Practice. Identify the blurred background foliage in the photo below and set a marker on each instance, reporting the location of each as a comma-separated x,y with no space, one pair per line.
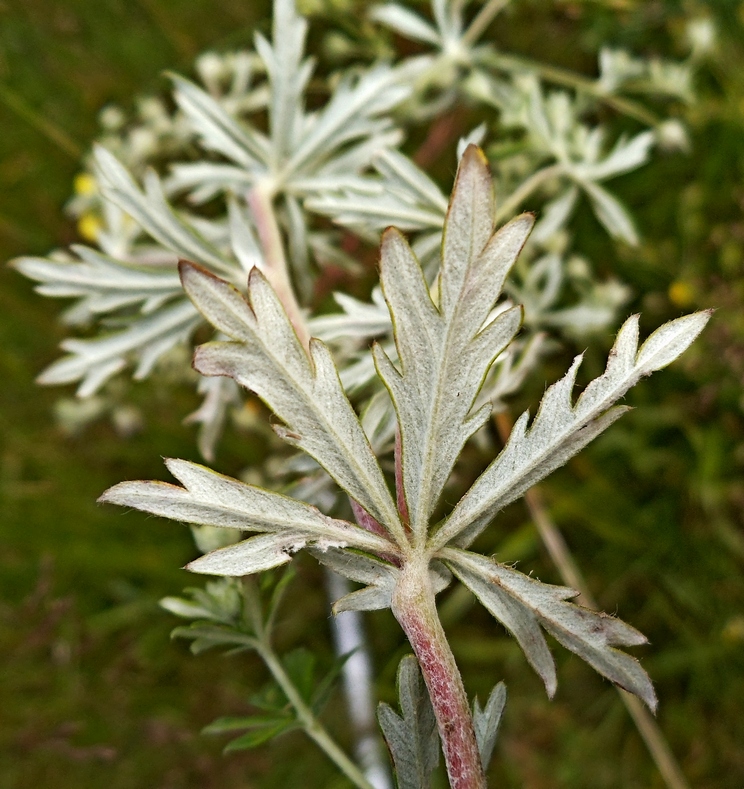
92,689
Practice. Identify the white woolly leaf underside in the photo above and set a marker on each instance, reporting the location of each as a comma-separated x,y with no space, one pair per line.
208,498
524,606
303,391
444,349
561,428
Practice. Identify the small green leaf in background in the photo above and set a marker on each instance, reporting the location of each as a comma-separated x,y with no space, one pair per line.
262,728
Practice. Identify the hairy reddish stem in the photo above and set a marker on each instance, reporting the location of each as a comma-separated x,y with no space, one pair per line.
415,609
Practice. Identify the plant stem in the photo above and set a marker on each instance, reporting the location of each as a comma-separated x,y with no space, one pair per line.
525,189
484,18
571,576
261,202
312,726
42,124
559,76
415,609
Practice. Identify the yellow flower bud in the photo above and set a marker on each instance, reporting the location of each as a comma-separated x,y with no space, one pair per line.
89,225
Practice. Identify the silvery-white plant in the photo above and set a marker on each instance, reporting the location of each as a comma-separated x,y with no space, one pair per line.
397,549
344,161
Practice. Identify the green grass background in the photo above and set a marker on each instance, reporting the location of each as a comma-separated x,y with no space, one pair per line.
93,693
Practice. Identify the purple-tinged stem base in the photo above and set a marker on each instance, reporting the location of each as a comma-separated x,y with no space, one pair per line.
415,609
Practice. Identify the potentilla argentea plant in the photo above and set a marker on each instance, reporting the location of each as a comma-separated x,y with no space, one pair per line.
446,338
268,145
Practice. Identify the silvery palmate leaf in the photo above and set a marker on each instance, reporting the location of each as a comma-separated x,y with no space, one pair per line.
303,391
317,149
524,605
454,49
145,340
284,525
156,316
444,359
448,33
304,153
102,286
101,283
145,285
553,125
558,143
136,295
445,350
